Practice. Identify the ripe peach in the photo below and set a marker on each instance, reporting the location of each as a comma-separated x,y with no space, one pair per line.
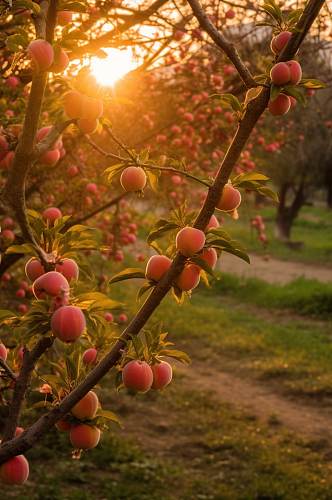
189,241
280,105
68,323
41,53
15,470
92,108
210,256
90,356
133,179
109,317
51,283
122,318
8,236
51,157
87,125
280,41
63,425
87,407
189,278
51,214
280,74
84,436
162,375
137,375
18,431
72,171
61,61
34,269
213,223
12,82
43,132
3,352
157,266
68,268
295,72
64,17
8,223
230,199
230,14
73,104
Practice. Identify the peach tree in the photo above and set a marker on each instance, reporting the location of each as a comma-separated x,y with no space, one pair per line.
66,341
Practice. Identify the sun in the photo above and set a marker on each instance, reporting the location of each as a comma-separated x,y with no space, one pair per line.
112,68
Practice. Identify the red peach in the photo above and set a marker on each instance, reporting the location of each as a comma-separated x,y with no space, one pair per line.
162,375
84,436
90,356
41,53
230,199
92,108
18,431
3,352
72,170
280,74
137,375
68,268
73,104
51,157
122,318
12,82
61,61
68,323
109,317
133,179
189,241
15,470
51,214
189,278
210,256
213,223
87,407
157,266
8,235
8,223
51,283
87,125
230,14
280,105
34,269
295,72
280,41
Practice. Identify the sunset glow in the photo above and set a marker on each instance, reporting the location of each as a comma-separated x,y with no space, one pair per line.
115,66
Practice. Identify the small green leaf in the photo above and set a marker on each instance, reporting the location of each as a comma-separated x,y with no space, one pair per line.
24,249
231,100
275,90
109,415
311,83
128,274
179,355
268,193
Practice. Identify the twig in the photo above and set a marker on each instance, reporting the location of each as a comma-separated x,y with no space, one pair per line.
7,369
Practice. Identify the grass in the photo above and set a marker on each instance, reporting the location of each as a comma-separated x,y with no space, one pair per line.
306,297
313,227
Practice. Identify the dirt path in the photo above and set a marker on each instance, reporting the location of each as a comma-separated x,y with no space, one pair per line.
261,401
273,270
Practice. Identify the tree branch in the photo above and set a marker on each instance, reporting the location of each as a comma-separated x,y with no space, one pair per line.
227,47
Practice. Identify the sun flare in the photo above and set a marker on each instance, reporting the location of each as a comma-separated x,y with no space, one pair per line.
112,68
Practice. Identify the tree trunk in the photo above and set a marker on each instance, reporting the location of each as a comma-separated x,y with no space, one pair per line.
287,214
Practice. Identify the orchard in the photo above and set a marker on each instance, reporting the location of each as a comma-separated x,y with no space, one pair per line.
131,134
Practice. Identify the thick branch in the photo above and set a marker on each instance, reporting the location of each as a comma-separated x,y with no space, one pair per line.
227,47
22,381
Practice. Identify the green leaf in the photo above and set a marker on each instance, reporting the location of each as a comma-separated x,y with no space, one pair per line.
311,83
25,248
145,288
240,179
275,90
268,193
161,230
231,100
6,314
128,274
16,42
153,179
203,264
109,415
294,92
252,94
179,355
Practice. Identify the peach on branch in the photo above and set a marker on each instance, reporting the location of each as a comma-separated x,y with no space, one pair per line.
280,73
52,283
34,269
51,157
63,425
137,376
210,256
73,104
189,241
15,470
189,278
280,41
68,268
87,125
133,179
41,53
213,223
68,323
122,318
18,431
92,108
12,82
280,105
61,61
51,214
295,72
84,436
157,266
90,356
3,352
87,407
230,199
8,236
162,375
109,317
